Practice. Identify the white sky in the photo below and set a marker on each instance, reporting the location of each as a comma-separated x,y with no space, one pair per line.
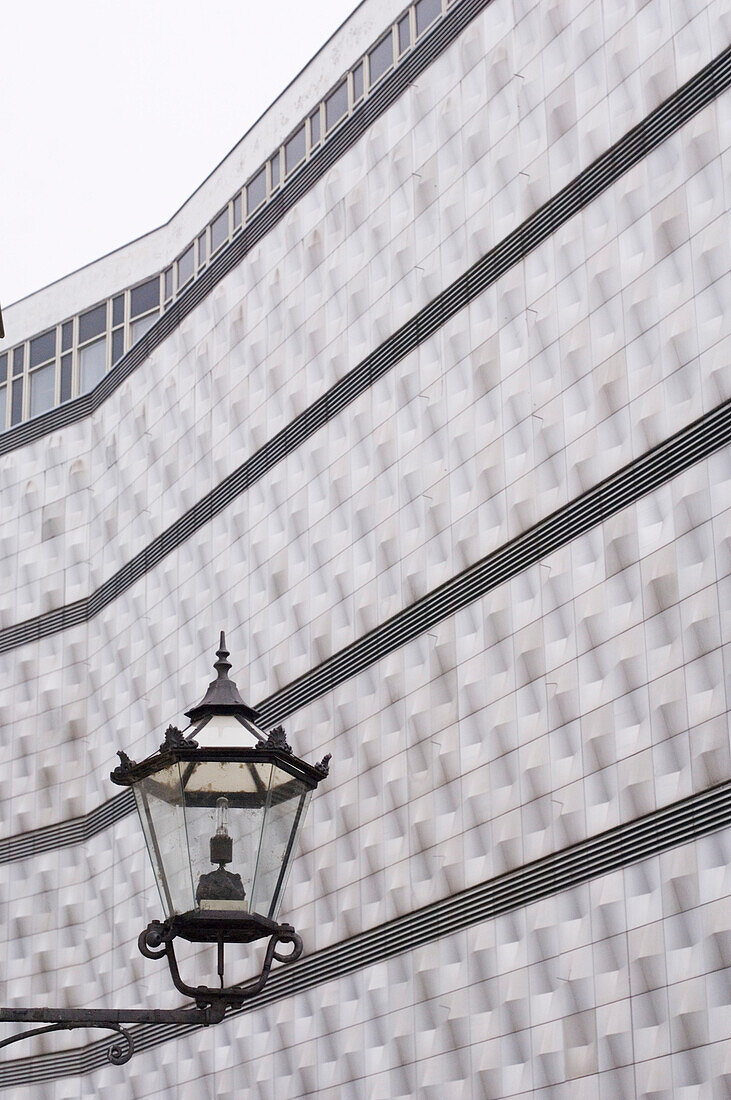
112,112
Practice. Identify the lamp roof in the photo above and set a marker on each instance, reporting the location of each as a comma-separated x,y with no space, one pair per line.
222,696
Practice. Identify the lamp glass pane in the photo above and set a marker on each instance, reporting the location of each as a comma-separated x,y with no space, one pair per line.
286,806
224,731
245,788
160,806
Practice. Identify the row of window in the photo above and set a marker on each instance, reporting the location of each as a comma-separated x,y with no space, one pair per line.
71,358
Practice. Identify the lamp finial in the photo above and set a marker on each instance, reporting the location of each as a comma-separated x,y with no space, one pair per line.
222,665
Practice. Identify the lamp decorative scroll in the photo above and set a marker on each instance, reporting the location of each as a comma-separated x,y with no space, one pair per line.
222,806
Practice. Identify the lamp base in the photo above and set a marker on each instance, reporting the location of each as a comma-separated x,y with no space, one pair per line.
219,927
227,924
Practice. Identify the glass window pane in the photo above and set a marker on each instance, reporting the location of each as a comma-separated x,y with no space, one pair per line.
92,364
294,150
286,806
42,389
92,323
18,359
42,347
202,249
3,407
238,206
139,328
357,82
186,267
245,788
3,367
145,297
404,34
118,343
315,127
336,105
118,310
426,13
66,378
169,283
274,166
380,59
219,230
16,410
67,335
159,800
256,191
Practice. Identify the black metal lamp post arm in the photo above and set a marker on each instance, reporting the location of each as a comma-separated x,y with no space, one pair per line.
69,1019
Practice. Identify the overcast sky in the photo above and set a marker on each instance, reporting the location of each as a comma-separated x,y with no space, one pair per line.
114,111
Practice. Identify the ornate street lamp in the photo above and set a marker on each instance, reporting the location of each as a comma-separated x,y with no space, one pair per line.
222,806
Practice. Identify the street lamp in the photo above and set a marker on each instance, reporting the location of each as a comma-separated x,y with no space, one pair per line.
222,806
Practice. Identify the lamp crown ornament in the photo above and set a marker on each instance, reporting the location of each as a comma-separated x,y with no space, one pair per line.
222,696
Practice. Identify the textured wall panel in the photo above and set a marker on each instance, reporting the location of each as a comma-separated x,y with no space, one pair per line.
133,486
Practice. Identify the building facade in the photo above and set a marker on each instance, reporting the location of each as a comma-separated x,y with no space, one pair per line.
424,398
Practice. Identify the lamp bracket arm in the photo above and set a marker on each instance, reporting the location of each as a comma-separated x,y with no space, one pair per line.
70,1019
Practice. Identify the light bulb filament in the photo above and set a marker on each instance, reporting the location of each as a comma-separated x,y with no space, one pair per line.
222,817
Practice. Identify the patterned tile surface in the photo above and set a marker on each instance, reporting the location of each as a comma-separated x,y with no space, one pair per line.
591,689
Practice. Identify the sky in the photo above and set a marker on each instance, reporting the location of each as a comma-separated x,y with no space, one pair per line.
114,111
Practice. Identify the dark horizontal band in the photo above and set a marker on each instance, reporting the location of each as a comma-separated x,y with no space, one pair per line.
633,147
647,836
655,468
342,139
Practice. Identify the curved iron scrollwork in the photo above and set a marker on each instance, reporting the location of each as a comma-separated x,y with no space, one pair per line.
118,1053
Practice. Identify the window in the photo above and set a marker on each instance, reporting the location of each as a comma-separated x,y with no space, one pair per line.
357,83
274,168
67,335
43,348
117,328
404,34
92,364
144,303
168,284
202,249
426,12
42,361
139,327
256,191
380,59
186,267
65,391
42,389
93,323
16,405
336,105
117,345
315,128
237,211
219,231
145,297
3,390
294,150
18,360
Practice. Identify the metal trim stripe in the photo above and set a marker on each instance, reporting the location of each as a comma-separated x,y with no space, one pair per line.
634,146
683,822
644,475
